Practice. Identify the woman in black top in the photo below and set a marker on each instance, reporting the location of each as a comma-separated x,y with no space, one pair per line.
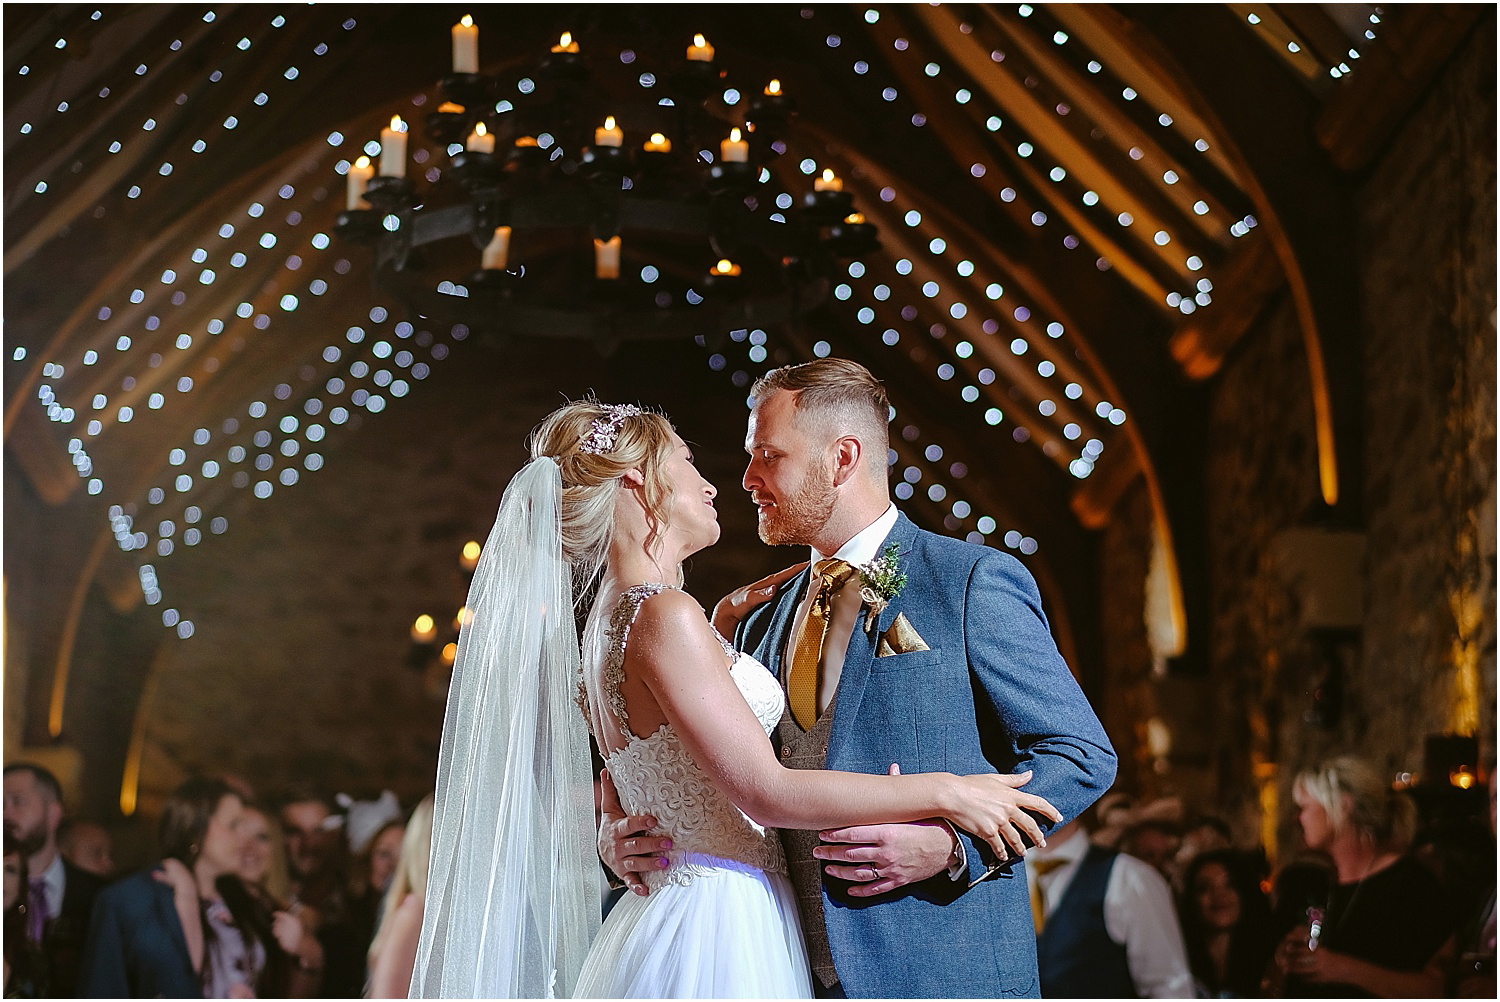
1386,914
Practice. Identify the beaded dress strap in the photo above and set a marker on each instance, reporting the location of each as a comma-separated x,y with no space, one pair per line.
612,674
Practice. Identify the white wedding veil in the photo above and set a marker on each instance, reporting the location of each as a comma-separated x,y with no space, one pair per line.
513,889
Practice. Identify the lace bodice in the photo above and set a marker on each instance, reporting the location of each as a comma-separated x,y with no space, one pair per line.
655,774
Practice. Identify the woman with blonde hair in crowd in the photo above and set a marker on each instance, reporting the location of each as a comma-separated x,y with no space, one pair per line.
263,868
394,951
1386,915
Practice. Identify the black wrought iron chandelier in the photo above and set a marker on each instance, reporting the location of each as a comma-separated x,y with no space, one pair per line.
599,208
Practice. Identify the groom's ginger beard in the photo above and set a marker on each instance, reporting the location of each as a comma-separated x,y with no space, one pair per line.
798,519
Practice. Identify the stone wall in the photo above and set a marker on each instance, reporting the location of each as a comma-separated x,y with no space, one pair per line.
1424,660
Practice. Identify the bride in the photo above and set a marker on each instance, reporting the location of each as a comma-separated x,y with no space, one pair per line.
683,723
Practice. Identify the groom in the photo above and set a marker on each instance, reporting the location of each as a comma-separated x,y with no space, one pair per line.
951,670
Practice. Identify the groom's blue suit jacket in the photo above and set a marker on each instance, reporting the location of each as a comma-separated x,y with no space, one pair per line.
991,695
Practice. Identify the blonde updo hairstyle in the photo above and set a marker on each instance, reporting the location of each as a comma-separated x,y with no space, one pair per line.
1357,798
590,481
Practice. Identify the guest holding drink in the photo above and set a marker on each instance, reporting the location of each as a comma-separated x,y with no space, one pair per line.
1386,915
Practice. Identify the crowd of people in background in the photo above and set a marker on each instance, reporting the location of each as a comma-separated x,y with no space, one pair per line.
310,896
305,896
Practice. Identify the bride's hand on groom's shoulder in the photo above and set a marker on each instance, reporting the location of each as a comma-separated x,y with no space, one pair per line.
737,604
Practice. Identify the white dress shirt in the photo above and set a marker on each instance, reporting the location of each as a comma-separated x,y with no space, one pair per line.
55,878
1138,914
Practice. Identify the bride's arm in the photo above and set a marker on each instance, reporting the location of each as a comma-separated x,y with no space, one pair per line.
675,653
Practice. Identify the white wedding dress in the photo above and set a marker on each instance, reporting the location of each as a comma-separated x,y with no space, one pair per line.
721,921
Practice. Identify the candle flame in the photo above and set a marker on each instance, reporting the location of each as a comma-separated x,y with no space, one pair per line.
566,40
480,130
700,41
828,174
397,125
724,267
424,624
450,652
467,21
362,162
854,217
734,135
773,88
472,548
658,139
609,122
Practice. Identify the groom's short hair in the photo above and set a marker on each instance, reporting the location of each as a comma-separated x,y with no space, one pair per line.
835,390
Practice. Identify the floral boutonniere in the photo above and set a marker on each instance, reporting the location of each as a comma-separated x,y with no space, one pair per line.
880,581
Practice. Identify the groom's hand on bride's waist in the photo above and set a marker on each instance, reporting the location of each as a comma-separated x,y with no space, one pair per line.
876,859
625,841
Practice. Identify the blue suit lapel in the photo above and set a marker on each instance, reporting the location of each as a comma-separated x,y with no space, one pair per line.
861,652
781,621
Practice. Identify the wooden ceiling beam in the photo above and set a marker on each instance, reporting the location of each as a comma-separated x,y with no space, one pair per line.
1042,123
1242,288
1094,501
1369,105
1123,133
956,131
1113,38
1318,32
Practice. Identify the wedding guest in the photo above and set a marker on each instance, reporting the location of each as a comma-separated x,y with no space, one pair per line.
394,951
22,964
347,942
1226,923
87,846
1106,925
1387,915
59,895
1204,833
264,872
314,845
1154,842
188,927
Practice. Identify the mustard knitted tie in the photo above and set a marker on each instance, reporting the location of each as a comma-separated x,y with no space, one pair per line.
1038,905
807,652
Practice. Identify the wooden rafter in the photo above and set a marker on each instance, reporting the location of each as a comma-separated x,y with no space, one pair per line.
1041,122
1124,133
1109,35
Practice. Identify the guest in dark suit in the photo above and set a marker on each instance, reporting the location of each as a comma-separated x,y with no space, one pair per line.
188,927
58,895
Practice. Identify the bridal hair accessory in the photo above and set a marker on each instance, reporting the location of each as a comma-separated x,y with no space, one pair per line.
604,430
881,580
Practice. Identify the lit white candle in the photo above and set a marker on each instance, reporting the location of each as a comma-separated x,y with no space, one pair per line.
393,148
658,143
494,259
827,182
466,46
609,134
566,43
360,173
700,51
734,150
607,258
480,140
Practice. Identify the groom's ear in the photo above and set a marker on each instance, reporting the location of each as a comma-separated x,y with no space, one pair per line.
846,453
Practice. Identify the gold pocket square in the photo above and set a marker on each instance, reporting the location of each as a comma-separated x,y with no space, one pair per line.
901,638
